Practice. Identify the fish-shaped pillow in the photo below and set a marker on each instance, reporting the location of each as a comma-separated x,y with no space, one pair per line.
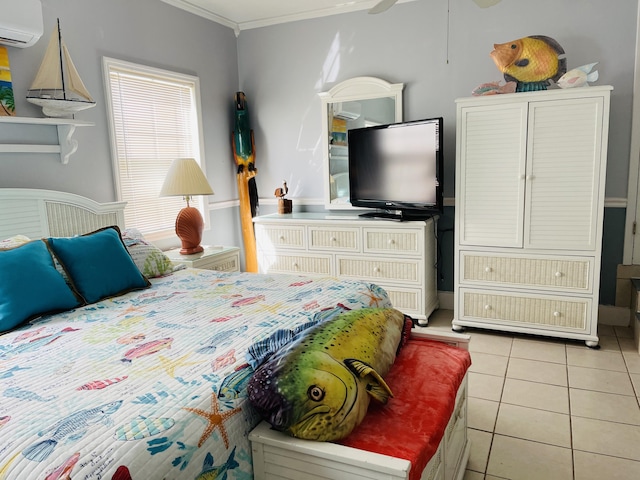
319,386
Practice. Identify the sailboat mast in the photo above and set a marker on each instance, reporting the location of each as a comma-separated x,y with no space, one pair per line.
64,90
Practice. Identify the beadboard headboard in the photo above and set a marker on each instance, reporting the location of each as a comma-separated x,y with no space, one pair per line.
46,213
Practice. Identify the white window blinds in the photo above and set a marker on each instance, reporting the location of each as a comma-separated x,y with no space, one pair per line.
154,119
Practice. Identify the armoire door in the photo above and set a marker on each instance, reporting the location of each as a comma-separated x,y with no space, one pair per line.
563,174
491,180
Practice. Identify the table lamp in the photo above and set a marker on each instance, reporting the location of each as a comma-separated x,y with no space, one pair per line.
185,178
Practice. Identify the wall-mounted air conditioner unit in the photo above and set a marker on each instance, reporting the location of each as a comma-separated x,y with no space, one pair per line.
20,22
347,110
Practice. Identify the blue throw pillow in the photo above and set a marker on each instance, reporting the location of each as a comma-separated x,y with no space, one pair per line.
30,285
98,264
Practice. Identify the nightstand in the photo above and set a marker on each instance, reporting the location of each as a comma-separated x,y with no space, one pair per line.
224,259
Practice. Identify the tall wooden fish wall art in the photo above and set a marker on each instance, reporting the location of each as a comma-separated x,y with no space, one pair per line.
530,61
244,152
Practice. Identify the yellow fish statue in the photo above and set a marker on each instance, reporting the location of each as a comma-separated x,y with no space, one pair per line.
318,386
530,61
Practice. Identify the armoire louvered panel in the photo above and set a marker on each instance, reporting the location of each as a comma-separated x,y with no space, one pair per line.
492,177
562,171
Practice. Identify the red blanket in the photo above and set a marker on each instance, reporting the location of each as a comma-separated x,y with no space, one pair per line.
424,380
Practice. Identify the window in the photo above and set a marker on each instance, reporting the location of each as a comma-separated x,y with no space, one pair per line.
154,118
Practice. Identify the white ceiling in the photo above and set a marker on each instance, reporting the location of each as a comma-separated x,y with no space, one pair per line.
246,14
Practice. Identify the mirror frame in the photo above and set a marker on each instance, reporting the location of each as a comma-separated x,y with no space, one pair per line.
358,88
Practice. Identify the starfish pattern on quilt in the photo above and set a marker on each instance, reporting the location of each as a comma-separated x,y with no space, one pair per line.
215,419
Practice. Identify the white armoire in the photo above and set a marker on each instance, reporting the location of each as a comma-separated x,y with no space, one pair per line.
530,182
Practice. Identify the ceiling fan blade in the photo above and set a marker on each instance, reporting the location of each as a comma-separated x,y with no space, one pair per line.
486,3
382,6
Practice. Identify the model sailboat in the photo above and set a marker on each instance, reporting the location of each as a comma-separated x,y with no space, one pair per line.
57,87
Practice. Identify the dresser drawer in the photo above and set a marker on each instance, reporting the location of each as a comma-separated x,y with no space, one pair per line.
370,268
272,237
556,274
402,242
407,300
539,311
284,263
327,238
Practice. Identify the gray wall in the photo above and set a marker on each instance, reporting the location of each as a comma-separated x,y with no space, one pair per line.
148,32
283,67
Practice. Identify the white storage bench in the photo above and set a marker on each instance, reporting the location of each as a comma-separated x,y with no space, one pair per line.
444,442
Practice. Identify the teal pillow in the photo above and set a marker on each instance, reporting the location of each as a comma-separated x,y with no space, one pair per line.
98,264
30,285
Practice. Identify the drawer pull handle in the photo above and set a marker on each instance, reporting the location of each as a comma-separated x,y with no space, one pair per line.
558,274
334,239
376,269
487,307
488,269
281,238
391,241
557,314
295,265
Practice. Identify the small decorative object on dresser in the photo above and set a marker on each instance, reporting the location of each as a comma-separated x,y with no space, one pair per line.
284,205
223,259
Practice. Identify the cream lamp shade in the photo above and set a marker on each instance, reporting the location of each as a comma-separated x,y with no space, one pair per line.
185,178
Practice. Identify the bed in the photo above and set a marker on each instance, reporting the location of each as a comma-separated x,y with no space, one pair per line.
151,383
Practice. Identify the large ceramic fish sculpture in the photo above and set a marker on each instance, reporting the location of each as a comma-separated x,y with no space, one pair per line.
319,386
530,61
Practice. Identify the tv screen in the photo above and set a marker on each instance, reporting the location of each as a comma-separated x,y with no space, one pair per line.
397,168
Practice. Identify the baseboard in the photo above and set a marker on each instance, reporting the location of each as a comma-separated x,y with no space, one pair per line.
614,316
445,299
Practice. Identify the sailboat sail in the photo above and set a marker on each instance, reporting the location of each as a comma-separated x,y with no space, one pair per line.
57,87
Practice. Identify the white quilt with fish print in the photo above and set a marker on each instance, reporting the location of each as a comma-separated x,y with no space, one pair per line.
151,385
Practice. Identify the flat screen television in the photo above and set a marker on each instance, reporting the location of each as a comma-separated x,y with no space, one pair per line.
397,169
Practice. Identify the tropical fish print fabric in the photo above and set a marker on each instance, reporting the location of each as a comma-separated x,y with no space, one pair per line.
153,384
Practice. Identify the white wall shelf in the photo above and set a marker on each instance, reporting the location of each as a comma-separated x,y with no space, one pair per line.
66,145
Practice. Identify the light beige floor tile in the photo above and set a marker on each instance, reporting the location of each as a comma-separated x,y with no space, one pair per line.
482,414
606,438
604,406
600,380
484,386
491,343
535,371
623,332
533,424
607,343
604,360
632,359
635,377
488,364
628,345
519,459
480,446
491,477
590,466
606,330
470,475
536,395
542,350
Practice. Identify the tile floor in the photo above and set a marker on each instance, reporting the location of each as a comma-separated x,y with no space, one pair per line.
547,409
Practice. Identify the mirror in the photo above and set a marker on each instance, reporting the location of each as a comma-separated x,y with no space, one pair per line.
354,103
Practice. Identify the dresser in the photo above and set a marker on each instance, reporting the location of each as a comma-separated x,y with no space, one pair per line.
530,182
398,256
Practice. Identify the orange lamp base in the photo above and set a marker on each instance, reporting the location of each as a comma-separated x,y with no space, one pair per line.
189,227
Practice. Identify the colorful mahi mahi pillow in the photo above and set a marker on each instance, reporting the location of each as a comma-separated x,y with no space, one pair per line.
150,260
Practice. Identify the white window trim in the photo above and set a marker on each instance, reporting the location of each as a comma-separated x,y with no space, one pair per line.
108,64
